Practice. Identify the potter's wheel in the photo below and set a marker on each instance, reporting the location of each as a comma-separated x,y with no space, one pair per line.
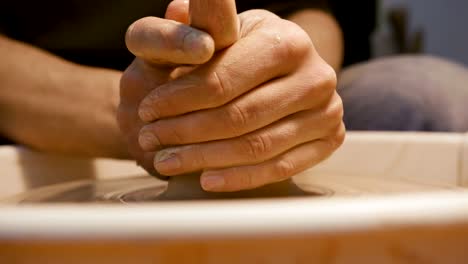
383,198
146,189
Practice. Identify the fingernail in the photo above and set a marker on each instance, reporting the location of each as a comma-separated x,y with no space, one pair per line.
200,46
212,182
167,161
191,40
148,141
146,114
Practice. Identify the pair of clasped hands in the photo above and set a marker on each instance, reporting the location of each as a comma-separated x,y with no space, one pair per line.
246,99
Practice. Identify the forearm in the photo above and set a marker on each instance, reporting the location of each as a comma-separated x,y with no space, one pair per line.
325,33
53,105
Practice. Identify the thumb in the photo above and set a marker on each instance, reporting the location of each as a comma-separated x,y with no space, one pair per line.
178,10
218,18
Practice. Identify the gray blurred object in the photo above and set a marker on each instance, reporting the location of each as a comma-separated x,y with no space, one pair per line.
406,41
394,35
442,21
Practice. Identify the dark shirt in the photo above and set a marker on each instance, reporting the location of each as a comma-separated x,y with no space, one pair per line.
4,141
92,32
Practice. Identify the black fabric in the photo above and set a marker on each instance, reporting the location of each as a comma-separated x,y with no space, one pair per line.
91,32
358,20
5,141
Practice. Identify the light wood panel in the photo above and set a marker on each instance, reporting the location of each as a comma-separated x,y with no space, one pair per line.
435,245
429,158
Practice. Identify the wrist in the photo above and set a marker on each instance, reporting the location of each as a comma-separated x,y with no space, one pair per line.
102,96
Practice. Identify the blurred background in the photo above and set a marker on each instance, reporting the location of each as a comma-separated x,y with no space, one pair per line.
430,26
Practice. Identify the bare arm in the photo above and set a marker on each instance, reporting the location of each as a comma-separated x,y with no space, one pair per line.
325,33
54,105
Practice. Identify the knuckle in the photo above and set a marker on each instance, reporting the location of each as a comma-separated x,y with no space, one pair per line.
320,85
218,88
326,81
294,43
329,78
258,146
334,111
235,119
284,169
338,137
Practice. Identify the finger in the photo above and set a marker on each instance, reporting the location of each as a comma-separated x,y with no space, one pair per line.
144,159
133,88
235,72
218,18
130,126
278,169
178,10
162,41
259,108
253,148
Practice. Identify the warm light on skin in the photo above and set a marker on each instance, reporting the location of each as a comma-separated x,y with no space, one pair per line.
53,105
233,117
69,95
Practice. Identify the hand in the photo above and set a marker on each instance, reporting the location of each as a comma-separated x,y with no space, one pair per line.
160,45
257,112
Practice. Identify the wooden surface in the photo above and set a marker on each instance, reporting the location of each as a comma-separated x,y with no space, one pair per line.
389,210
435,245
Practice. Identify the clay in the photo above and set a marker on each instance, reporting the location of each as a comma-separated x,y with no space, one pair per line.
187,187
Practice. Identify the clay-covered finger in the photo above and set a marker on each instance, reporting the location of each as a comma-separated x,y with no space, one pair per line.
275,170
218,18
162,41
133,87
252,148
